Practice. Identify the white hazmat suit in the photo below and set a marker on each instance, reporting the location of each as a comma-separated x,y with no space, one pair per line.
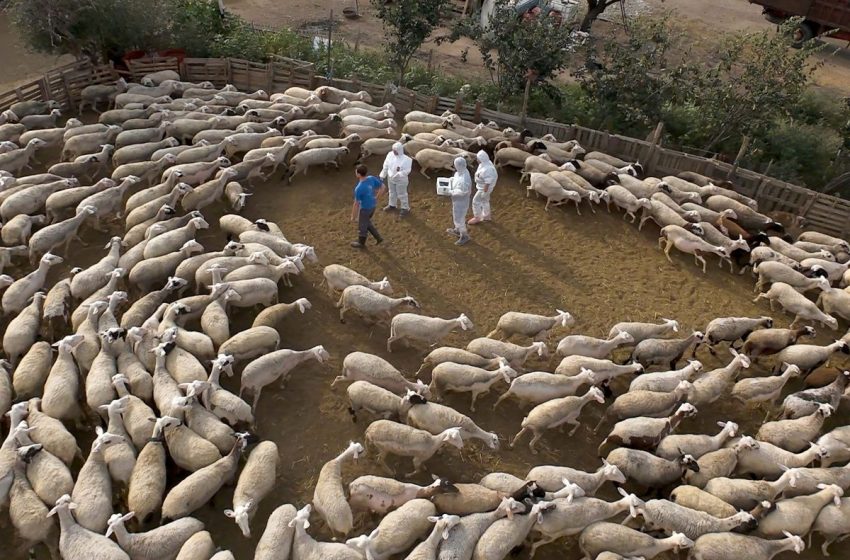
485,181
461,186
397,167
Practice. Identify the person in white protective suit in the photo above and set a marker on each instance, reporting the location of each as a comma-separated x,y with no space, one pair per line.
461,186
397,167
485,181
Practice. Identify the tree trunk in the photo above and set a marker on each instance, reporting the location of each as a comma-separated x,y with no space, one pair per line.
595,8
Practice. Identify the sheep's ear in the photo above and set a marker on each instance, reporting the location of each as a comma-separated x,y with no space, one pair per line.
230,513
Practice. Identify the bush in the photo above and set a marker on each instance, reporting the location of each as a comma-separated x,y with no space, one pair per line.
801,153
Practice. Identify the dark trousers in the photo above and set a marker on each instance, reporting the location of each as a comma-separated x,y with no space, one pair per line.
365,225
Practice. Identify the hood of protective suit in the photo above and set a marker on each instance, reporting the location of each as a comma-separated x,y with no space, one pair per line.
483,158
398,148
460,164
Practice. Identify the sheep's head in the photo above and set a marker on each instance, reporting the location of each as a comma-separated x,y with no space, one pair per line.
320,354
465,323
596,394
242,516
452,437
612,472
746,442
686,410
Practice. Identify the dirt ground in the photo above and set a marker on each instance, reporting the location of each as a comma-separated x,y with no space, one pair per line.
596,266
701,20
17,64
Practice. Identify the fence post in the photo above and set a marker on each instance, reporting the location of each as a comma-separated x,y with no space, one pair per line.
45,88
811,202
269,77
652,150
742,151
477,111
67,89
228,71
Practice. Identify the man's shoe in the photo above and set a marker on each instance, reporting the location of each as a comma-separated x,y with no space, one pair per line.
464,239
379,240
389,208
452,231
404,213
358,245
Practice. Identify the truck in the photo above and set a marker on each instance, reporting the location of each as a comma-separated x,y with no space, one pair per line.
819,17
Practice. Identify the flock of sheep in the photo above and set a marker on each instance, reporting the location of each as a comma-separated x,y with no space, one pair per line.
146,319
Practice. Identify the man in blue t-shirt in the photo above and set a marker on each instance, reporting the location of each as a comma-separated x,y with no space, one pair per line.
366,194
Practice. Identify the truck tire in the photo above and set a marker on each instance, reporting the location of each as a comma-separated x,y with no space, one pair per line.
804,31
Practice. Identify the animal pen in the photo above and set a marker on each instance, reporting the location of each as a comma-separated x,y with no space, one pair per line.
824,213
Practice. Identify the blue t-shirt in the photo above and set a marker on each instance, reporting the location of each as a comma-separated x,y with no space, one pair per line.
365,192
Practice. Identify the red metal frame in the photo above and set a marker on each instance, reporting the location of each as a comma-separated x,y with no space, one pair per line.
825,14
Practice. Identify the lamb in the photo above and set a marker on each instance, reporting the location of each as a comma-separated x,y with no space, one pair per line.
391,437
580,345
687,242
255,482
460,377
770,341
554,413
539,386
370,304
809,357
729,546
650,404
536,327
673,517
666,380
409,327
437,418
654,351
695,445
275,365
643,331
397,531
376,370
516,355
199,487
610,537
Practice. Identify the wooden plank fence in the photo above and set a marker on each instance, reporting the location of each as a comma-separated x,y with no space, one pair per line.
825,213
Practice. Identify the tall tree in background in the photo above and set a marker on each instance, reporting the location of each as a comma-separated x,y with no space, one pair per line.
407,23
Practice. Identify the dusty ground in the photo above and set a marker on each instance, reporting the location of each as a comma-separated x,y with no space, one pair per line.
702,21
596,266
17,65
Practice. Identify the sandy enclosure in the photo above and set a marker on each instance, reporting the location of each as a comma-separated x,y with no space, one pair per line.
596,266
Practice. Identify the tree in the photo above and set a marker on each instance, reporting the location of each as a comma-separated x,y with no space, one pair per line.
519,50
595,8
407,23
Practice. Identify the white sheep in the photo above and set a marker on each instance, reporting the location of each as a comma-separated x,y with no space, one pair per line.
159,543
464,378
410,327
255,482
369,303
338,277
397,531
273,366
329,494
795,303
554,413
77,542
386,436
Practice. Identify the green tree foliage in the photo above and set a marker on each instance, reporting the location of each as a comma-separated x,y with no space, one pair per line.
407,23
515,48
594,10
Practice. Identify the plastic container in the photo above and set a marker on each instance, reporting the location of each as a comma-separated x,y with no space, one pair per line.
444,186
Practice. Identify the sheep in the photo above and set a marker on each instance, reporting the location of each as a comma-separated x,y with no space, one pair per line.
380,495
733,329
768,461
762,254
162,542
554,413
148,273
61,389
773,271
695,445
796,253
59,202
273,366
329,497
666,380
805,402
642,331
645,433
673,517
144,170
93,486
764,389
464,378
624,199
687,242
94,94
255,482
28,514
409,327
338,277
793,302
22,331
798,514
276,540
711,385
834,272
368,367
651,404
77,542
603,370
555,195
700,500
306,548
436,159
653,351
51,433
88,142
571,517
770,341
370,304
835,301
515,354
794,435
610,537
539,386
729,546
319,156
580,345
504,535
17,295
536,327
386,437
199,487
363,395
200,546
31,199
437,418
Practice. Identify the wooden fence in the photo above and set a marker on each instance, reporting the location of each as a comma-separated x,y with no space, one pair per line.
825,213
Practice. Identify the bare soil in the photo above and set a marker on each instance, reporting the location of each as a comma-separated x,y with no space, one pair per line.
17,64
596,266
